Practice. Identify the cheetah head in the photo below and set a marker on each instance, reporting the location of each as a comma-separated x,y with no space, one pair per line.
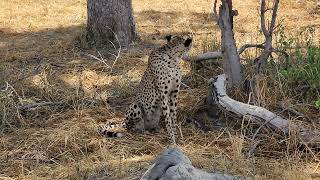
178,45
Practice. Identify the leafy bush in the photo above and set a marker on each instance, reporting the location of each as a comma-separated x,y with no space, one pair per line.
301,72
307,71
317,103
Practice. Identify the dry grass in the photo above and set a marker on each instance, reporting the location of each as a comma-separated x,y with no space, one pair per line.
40,60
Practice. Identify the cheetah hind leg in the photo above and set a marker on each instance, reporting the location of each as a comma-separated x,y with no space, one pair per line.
153,118
134,119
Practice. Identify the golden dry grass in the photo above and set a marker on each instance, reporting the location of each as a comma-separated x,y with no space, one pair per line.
40,60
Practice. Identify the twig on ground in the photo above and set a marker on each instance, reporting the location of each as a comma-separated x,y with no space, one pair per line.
116,56
254,143
292,110
37,105
99,59
119,49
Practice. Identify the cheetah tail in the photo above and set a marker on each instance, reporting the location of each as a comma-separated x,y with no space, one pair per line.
108,130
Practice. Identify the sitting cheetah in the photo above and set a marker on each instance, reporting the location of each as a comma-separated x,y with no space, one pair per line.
158,89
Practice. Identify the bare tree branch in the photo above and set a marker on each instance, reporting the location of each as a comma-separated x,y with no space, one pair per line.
227,36
274,17
218,54
101,59
119,49
263,58
262,18
246,46
116,56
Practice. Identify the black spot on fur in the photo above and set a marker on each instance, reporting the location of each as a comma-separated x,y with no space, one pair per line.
168,37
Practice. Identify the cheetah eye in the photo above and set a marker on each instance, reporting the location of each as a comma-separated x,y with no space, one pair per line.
187,42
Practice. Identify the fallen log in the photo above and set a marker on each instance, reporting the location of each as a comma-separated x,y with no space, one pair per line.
172,164
218,95
204,56
218,54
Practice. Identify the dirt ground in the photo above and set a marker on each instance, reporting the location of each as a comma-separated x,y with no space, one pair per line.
43,58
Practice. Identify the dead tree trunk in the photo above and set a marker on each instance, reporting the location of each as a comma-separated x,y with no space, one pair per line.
232,65
110,23
261,61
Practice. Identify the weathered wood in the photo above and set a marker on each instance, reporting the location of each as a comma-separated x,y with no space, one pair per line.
204,56
218,54
172,164
110,23
219,96
232,65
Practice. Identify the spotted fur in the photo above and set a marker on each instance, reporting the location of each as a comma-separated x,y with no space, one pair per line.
158,89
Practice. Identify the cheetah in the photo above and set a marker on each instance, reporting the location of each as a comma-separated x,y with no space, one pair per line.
158,90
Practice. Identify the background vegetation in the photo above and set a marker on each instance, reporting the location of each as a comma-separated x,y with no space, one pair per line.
42,56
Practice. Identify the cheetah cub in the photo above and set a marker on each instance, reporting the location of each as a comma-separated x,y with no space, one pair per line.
158,90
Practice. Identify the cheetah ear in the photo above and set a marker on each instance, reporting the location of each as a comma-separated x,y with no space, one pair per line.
168,37
187,42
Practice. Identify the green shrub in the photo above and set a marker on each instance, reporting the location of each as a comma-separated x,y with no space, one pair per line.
317,103
307,71
301,72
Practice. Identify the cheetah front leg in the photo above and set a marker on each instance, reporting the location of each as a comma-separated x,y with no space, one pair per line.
166,113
